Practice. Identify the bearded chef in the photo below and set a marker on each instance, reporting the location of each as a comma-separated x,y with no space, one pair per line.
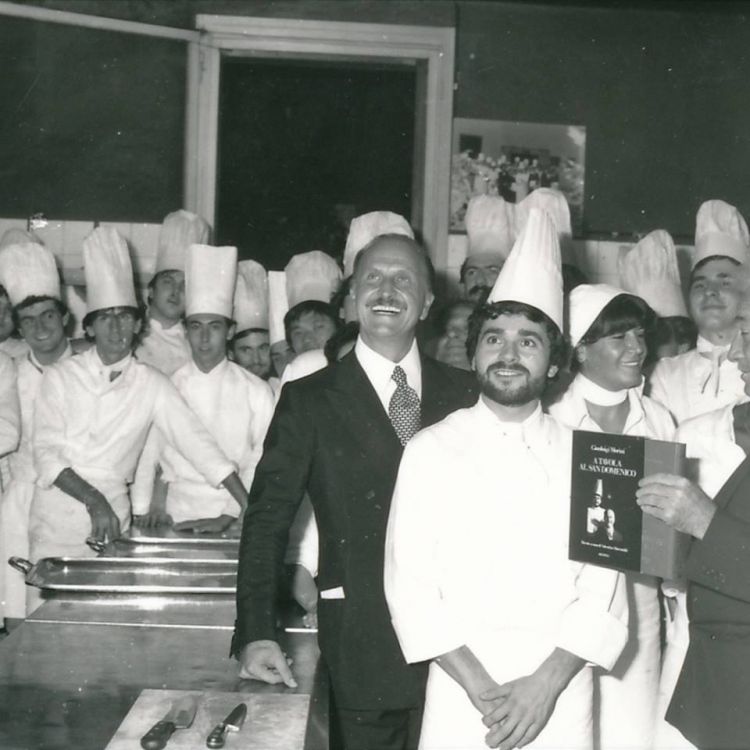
164,345
704,379
93,413
485,592
489,232
29,274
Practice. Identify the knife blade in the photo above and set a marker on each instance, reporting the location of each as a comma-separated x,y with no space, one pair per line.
179,716
233,723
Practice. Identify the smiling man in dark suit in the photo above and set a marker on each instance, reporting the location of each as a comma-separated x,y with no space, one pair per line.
339,435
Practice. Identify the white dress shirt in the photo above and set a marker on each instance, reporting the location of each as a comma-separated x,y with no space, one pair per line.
477,555
628,694
166,349
686,383
379,370
235,407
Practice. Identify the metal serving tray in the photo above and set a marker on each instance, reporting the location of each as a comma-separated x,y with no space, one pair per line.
167,535
198,549
147,575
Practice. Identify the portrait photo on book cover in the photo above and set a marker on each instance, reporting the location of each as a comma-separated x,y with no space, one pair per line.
605,520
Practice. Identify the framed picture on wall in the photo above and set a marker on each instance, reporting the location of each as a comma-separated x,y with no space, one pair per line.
512,159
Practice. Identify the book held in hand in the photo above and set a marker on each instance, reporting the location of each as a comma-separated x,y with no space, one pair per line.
607,527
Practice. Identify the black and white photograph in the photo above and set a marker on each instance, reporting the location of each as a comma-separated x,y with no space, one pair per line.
374,374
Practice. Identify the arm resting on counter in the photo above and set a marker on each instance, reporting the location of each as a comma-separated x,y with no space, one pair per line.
104,523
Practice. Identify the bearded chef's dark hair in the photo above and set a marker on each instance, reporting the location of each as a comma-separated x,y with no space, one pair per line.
559,348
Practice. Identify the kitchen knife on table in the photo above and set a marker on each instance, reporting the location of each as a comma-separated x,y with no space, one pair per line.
233,723
180,716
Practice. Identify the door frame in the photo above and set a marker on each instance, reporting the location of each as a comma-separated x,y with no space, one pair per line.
430,48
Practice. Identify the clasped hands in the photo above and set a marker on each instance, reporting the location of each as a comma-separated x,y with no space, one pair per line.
516,711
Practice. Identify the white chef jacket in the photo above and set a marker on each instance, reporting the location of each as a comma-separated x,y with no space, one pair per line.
16,502
10,427
680,383
477,554
627,716
166,349
98,428
14,348
235,407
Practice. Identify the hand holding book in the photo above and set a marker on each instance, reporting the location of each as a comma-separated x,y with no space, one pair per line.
676,501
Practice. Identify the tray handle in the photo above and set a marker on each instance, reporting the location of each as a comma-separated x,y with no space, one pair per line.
21,565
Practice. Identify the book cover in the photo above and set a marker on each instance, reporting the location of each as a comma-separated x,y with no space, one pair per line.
607,527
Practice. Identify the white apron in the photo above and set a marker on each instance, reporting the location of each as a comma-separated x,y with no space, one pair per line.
188,501
14,538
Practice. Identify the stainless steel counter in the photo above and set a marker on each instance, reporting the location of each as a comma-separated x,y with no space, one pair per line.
70,673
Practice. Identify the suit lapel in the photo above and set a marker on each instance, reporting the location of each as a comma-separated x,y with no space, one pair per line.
353,398
730,487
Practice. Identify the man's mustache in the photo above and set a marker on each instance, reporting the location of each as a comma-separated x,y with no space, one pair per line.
496,366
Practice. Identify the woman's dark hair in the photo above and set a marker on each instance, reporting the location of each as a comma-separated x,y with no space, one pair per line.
621,314
624,312
674,329
344,335
559,348
305,307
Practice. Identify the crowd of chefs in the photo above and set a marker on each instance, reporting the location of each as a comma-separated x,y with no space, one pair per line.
440,583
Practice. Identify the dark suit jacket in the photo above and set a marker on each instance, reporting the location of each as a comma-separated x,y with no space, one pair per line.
331,436
711,703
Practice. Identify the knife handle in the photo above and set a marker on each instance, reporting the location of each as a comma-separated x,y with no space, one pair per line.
156,737
216,738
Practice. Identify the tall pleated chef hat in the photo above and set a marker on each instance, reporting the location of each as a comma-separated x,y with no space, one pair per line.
179,231
251,296
365,228
210,278
720,229
649,270
278,306
16,236
532,274
556,205
27,270
313,275
108,270
599,487
585,302
489,224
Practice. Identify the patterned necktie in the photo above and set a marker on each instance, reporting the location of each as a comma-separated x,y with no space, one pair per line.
403,408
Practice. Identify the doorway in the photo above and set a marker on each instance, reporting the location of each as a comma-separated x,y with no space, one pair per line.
429,50
304,146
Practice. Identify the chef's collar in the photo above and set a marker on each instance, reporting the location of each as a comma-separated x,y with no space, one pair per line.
158,327
528,430
217,370
706,348
580,411
34,362
116,367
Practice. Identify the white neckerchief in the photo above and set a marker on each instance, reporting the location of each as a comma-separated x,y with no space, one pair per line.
595,394
716,354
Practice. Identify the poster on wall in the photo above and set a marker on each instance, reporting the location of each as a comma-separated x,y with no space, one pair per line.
511,159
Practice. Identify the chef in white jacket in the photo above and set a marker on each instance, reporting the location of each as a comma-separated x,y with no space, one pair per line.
164,345
234,405
94,411
29,274
251,344
703,379
477,575
608,330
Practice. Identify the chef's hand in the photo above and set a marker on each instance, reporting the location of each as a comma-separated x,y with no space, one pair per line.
206,525
525,704
676,501
265,661
152,519
105,526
